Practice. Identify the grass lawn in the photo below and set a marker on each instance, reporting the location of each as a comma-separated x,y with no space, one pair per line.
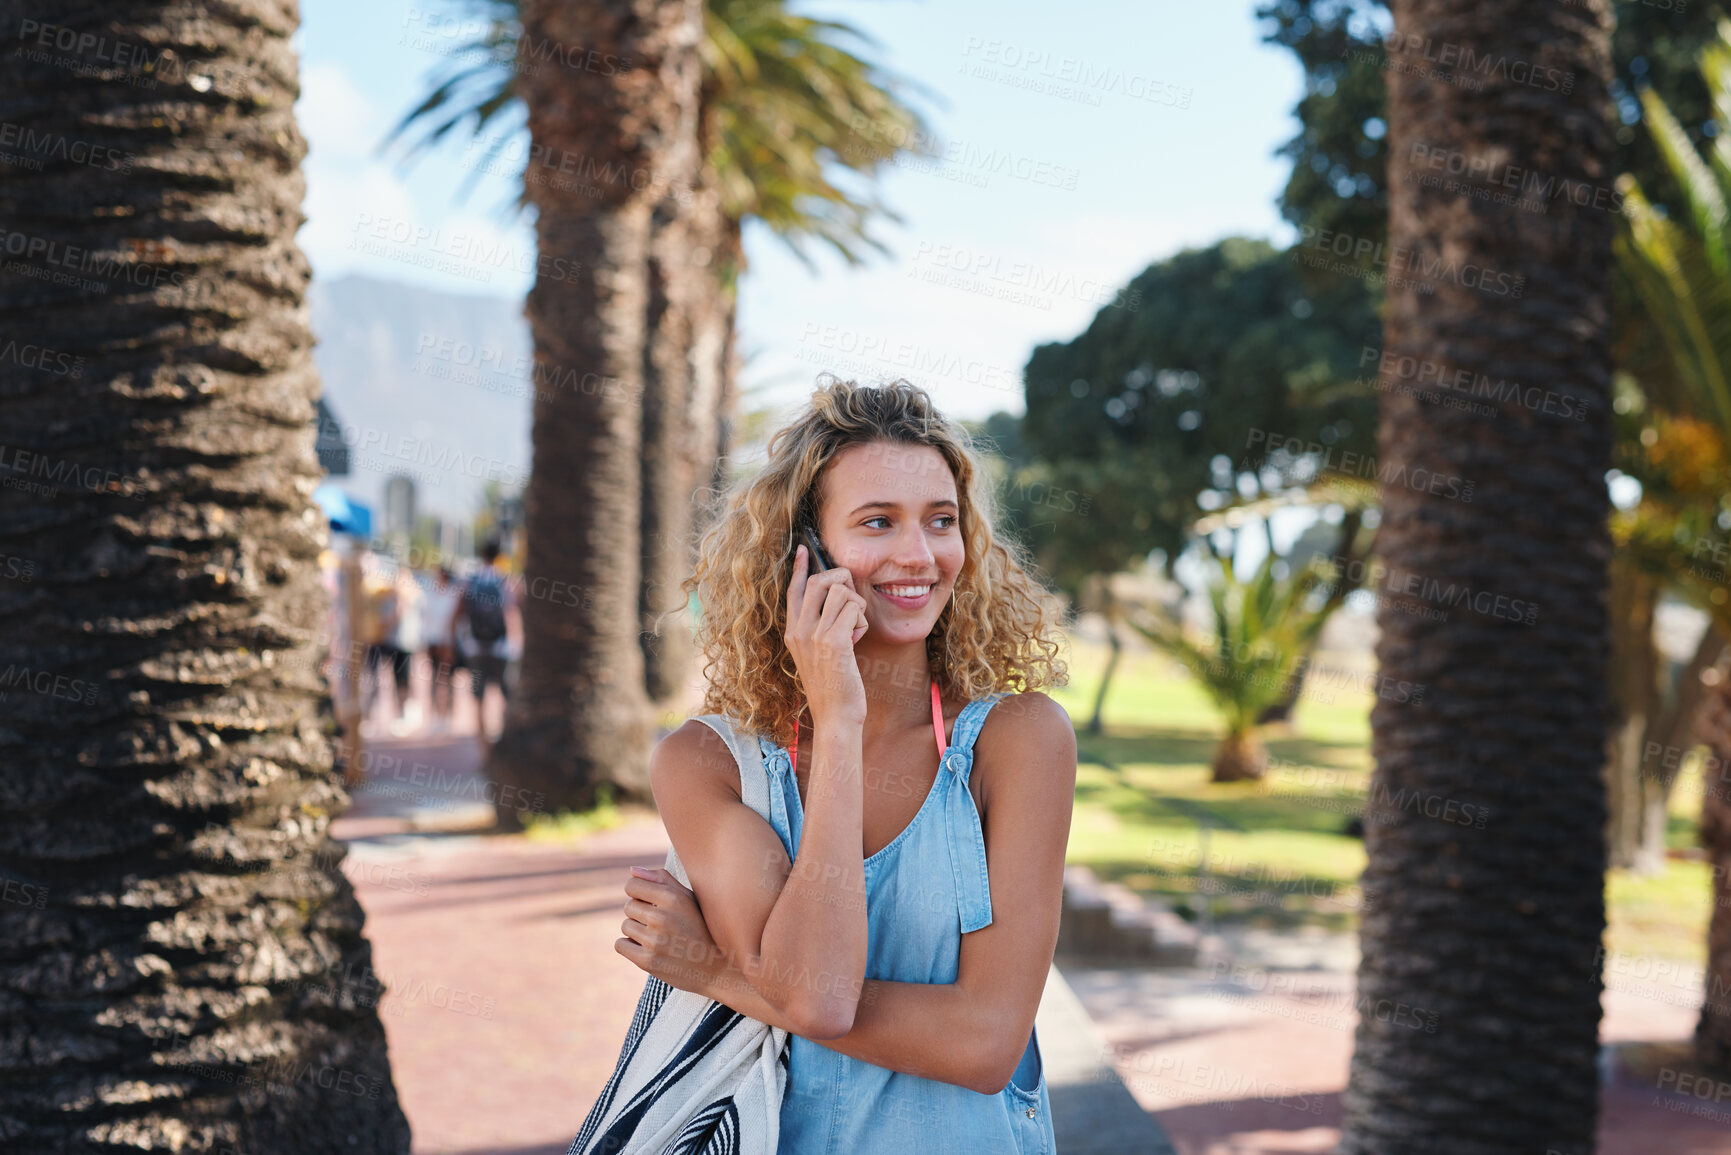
1289,862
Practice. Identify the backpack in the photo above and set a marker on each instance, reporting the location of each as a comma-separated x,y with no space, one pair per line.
484,606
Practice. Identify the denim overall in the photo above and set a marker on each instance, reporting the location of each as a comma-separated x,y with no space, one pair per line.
923,892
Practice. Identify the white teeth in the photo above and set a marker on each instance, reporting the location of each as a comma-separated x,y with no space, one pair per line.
905,591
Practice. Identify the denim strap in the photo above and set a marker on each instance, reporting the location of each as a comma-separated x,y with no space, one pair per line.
966,839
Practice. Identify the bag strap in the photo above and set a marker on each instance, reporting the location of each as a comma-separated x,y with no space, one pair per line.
753,779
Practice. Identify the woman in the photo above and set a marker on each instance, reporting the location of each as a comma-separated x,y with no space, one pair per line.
441,610
898,914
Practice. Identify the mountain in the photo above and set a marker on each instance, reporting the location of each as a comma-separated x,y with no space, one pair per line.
431,385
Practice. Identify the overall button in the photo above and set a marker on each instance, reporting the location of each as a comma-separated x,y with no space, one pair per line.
1032,1111
953,762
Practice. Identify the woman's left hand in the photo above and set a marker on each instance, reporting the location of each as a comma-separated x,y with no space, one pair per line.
665,934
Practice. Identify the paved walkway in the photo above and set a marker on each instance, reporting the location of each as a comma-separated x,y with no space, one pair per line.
1231,1069
507,1003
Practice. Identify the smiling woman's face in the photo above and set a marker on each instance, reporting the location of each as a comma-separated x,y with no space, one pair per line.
891,517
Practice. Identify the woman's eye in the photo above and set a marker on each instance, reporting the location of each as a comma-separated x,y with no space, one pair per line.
948,518
879,517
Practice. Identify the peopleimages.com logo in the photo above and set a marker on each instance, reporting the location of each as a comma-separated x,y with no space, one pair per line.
1399,258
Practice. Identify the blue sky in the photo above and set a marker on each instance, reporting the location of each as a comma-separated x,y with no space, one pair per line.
1085,142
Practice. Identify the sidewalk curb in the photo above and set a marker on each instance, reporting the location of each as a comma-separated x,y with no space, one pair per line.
1107,921
1093,1112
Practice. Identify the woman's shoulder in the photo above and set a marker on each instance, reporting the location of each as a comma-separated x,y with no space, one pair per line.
1028,730
1029,715
693,758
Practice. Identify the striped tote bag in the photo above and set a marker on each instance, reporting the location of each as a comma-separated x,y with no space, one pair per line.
695,1077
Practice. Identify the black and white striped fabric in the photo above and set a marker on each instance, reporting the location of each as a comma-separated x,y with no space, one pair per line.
695,1077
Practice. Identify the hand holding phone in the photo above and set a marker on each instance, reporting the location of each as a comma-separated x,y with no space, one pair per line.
825,617
814,548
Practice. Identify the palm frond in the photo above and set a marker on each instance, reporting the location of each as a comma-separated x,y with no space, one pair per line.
474,87
794,113
1681,268
1699,181
1263,625
1686,299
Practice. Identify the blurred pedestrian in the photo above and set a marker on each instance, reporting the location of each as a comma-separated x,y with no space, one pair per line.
377,629
438,631
405,643
487,618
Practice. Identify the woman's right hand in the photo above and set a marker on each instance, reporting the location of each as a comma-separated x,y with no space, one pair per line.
825,617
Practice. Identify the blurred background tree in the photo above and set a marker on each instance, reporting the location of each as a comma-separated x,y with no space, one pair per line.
1680,262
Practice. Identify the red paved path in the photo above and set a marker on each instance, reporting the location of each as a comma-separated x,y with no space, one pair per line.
507,1005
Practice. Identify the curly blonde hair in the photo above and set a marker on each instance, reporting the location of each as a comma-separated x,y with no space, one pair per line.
998,632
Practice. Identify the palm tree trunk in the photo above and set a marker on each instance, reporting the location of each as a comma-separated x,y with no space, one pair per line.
724,324
182,958
1241,757
1713,1029
1479,983
1109,610
1641,771
715,379
667,466
580,716
1281,711
1634,692
682,379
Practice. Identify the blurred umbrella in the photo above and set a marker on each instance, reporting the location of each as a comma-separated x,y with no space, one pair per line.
345,513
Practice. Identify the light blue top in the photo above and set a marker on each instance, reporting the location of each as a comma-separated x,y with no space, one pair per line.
924,891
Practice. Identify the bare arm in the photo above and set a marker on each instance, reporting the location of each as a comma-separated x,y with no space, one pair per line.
796,932
456,615
970,1032
910,1027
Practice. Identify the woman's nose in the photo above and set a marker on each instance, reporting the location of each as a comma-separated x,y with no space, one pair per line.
914,549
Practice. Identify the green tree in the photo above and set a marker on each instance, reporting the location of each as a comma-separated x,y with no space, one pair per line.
1341,169
1340,154
1670,539
1215,377
1341,165
1681,264
1264,627
181,955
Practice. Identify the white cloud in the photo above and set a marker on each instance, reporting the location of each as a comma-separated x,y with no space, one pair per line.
340,121
366,214
342,200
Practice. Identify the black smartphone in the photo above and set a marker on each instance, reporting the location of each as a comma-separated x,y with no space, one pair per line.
814,547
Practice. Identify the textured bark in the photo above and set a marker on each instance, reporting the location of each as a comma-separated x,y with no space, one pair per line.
1635,702
720,333
1239,758
665,515
682,391
182,966
1480,978
580,715
1713,1030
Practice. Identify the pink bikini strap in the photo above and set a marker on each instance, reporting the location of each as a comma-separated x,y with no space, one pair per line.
937,728
938,720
